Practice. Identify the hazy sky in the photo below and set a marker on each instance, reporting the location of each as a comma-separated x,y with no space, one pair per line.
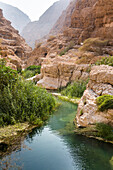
33,8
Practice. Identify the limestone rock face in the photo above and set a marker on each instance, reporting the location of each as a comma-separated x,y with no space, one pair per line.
100,83
11,43
81,20
14,62
58,72
37,56
92,18
86,18
64,20
49,49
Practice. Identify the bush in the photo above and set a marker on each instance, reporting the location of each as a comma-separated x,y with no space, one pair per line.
31,71
93,45
21,100
28,74
70,46
106,61
76,89
105,131
34,68
7,75
105,102
24,102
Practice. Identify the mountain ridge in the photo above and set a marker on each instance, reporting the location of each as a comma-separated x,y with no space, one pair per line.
17,17
38,29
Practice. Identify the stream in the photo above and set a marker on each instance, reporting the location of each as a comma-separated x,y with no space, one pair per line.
57,147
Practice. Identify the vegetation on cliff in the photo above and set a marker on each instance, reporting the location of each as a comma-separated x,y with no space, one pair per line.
21,100
69,47
106,61
105,102
105,131
94,44
31,71
75,89
7,75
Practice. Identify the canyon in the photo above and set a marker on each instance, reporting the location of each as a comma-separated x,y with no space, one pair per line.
48,127
38,29
83,20
81,36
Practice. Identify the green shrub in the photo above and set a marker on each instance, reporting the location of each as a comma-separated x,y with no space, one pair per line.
105,131
27,74
106,61
31,71
7,75
76,89
24,102
34,68
105,102
63,52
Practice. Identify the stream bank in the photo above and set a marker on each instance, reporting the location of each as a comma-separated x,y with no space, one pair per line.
89,131
56,146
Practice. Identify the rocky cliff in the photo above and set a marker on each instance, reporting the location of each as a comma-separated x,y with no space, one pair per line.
83,20
12,45
91,18
38,29
58,72
64,20
101,83
17,18
86,18
80,21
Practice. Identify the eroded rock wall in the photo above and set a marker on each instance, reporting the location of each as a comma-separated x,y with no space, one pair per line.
92,18
101,83
59,72
86,18
64,20
11,43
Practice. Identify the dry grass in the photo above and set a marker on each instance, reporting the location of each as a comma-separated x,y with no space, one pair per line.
12,130
87,58
94,45
51,38
38,45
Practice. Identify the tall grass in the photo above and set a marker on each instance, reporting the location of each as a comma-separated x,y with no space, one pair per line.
75,89
94,44
21,100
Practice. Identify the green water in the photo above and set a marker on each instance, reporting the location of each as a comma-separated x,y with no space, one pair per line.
57,147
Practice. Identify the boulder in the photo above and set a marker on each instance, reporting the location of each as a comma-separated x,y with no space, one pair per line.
100,83
58,72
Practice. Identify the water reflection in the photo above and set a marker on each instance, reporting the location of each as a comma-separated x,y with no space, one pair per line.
35,132
57,147
91,154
